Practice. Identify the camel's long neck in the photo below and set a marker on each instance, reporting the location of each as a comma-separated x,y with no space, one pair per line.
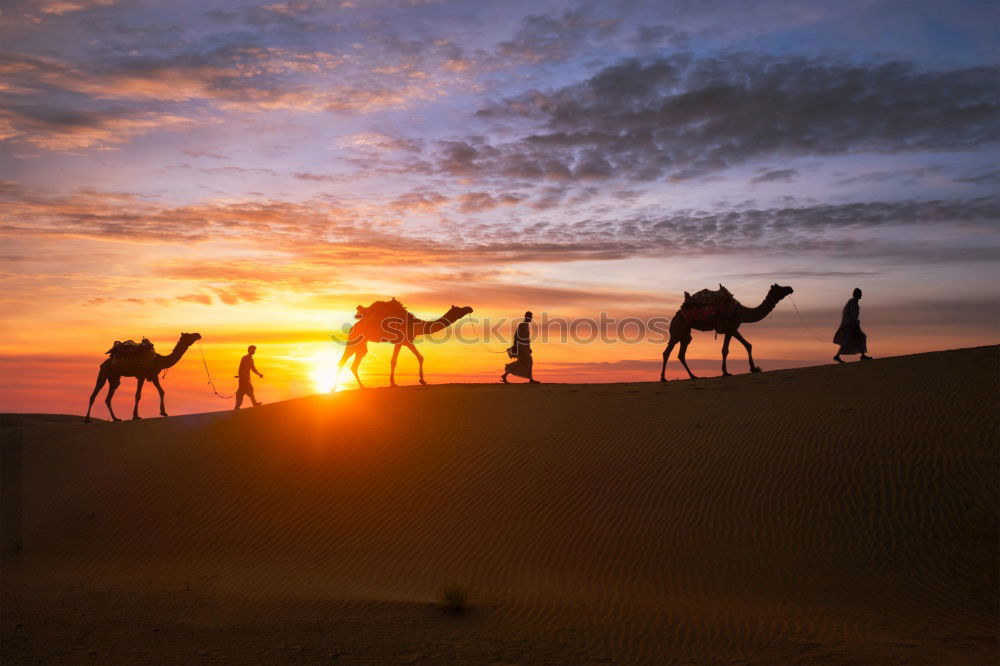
751,315
171,359
427,327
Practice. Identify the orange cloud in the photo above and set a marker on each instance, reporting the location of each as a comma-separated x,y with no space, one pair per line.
71,132
203,299
240,77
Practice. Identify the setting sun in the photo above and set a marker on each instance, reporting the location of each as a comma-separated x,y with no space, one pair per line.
323,371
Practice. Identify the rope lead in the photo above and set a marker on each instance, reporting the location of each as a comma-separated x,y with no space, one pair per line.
209,375
804,325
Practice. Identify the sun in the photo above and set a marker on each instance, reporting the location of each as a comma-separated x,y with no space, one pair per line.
323,371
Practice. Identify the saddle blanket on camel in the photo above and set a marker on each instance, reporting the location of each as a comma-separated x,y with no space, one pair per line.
709,309
130,347
131,354
383,321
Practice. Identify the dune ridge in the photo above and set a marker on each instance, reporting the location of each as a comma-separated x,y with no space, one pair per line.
829,514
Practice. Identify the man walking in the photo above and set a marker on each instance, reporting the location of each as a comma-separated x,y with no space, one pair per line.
246,388
849,336
521,351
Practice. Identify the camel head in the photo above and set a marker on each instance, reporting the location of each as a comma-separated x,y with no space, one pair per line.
455,313
188,339
777,292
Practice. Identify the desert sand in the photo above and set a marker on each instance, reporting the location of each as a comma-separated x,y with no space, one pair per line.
834,514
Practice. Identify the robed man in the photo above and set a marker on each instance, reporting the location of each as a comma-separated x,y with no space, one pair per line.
520,351
849,336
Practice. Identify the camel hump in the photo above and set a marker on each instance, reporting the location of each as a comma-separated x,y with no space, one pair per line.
380,310
707,297
382,321
130,347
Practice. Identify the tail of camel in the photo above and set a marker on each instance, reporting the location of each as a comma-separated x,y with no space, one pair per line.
388,321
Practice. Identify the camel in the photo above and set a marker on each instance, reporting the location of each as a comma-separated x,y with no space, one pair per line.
143,366
723,318
389,321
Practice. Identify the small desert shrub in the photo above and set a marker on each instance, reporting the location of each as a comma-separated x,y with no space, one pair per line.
453,598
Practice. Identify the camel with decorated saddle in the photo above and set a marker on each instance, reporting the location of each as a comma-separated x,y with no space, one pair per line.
139,360
388,321
717,311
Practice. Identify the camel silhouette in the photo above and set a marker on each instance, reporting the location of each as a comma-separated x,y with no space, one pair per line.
143,366
389,321
724,318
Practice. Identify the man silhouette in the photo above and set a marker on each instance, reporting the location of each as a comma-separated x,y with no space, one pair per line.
849,336
246,388
520,350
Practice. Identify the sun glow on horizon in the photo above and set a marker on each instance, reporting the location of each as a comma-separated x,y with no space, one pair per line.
323,371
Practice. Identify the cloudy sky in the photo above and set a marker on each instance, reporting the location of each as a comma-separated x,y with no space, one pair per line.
255,171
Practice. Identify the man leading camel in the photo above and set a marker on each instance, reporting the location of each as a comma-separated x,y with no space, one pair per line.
849,336
246,388
521,351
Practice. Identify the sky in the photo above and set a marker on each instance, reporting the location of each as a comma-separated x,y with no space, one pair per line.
253,172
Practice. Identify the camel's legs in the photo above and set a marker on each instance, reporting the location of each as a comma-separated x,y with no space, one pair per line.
340,366
682,354
725,353
753,367
350,350
392,364
358,355
139,381
102,378
354,369
113,382
420,358
666,356
156,383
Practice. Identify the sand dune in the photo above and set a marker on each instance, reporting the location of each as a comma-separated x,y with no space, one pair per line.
837,514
